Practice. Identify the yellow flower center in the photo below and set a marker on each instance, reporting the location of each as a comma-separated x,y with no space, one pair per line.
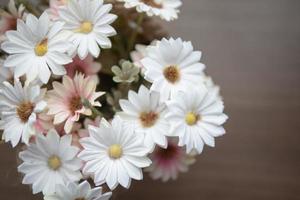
75,104
24,111
41,48
86,27
54,163
172,74
115,151
148,119
191,118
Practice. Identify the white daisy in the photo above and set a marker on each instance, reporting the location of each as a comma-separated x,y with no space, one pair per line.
144,111
196,116
172,65
88,23
51,161
35,47
166,9
208,81
6,74
19,107
113,154
82,191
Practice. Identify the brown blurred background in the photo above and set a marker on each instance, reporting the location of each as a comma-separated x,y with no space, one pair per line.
252,49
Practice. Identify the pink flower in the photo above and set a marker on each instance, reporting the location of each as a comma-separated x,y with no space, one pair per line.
9,19
54,7
84,132
167,163
138,54
86,66
43,123
65,101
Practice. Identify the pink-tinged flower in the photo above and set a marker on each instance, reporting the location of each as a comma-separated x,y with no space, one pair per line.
86,66
87,122
43,123
9,19
65,101
54,7
80,132
168,163
6,74
138,54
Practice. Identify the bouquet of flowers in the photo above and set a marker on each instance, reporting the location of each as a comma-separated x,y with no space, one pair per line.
95,92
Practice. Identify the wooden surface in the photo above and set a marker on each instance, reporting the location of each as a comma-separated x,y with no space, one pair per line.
252,49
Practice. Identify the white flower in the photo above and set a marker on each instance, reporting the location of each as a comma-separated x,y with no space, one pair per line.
196,116
50,162
171,66
88,23
138,54
19,107
166,9
144,111
82,191
113,154
35,47
8,20
212,86
6,74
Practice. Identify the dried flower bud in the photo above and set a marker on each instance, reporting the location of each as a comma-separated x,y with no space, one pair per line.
127,73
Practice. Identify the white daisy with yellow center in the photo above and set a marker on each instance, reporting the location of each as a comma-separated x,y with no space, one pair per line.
145,112
172,65
75,191
196,117
36,47
113,154
88,24
19,107
165,9
49,162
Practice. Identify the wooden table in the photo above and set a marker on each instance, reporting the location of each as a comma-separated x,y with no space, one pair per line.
252,49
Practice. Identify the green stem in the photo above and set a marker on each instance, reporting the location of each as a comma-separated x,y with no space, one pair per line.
134,34
120,46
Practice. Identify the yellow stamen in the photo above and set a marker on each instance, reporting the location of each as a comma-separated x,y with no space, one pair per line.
172,74
54,163
115,151
148,119
41,48
86,27
25,110
191,118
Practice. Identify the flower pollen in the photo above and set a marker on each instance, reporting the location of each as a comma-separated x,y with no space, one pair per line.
86,27
75,104
148,119
24,111
41,48
115,151
54,163
172,74
191,118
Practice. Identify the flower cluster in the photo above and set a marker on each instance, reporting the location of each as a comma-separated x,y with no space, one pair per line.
56,64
